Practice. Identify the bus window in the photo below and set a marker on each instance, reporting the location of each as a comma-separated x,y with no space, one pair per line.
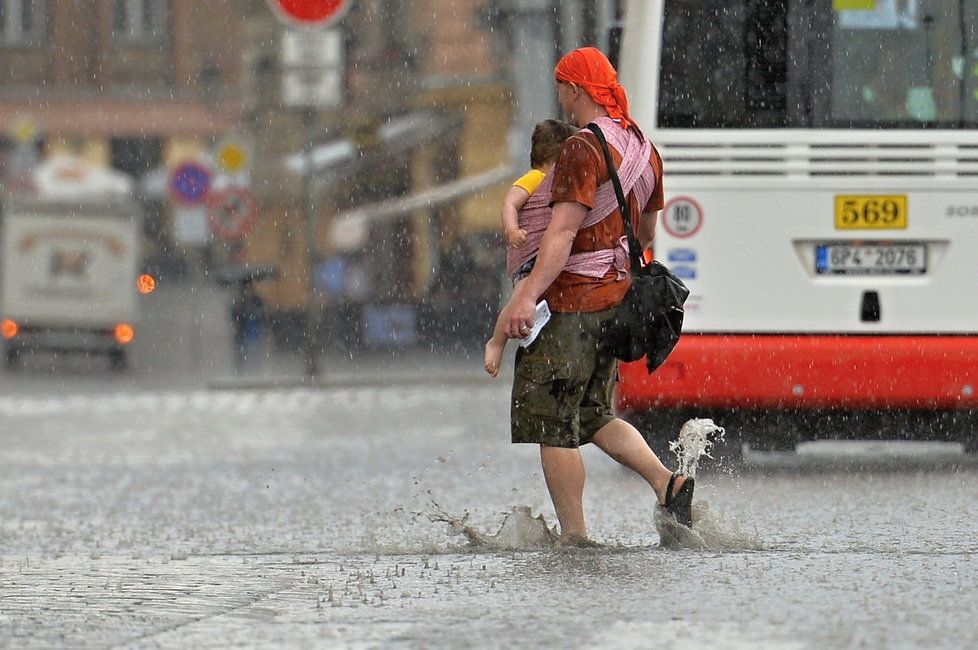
801,64
710,39
904,63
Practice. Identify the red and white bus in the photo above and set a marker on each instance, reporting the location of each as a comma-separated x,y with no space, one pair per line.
821,180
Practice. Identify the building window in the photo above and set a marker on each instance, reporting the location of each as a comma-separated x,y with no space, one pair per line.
136,156
21,21
139,20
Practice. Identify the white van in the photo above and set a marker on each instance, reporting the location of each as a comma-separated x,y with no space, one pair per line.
69,267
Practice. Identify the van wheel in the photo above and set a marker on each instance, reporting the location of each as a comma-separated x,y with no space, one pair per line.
118,360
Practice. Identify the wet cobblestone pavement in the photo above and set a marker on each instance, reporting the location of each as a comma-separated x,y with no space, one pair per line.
308,518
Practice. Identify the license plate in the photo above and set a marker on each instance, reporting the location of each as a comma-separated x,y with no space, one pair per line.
871,212
846,258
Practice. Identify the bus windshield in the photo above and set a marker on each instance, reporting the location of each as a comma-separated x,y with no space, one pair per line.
819,64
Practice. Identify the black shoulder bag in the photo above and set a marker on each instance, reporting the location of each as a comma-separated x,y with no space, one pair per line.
650,318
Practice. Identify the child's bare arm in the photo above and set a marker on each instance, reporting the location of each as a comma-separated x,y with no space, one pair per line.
515,199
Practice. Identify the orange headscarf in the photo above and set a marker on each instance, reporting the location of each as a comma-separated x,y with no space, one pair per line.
590,69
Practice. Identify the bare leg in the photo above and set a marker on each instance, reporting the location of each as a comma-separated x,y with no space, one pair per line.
496,345
625,444
564,471
494,348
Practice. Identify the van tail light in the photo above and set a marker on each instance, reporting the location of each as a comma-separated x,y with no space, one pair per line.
8,329
124,334
146,284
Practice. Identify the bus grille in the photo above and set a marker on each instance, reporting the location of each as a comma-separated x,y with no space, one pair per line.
700,157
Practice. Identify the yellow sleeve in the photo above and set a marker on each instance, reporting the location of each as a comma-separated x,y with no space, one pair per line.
530,181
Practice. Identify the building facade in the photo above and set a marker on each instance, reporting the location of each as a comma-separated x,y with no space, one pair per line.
131,84
127,83
430,92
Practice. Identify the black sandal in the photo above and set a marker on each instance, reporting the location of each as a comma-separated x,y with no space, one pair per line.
680,505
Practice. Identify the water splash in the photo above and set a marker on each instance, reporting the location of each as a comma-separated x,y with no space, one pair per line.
695,440
520,530
711,530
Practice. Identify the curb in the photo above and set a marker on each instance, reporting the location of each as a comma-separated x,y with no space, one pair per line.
862,455
371,380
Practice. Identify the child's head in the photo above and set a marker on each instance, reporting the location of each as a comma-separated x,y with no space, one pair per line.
547,138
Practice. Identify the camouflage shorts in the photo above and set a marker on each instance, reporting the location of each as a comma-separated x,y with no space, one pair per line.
563,383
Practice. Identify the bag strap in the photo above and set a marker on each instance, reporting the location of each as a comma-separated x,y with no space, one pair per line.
633,245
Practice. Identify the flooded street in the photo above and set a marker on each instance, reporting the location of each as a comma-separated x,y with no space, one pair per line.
252,253
332,517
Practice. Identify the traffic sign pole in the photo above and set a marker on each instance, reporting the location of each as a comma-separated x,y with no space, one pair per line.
312,302
318,15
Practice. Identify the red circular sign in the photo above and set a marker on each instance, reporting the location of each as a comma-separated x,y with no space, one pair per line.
231,213
310,13
682,217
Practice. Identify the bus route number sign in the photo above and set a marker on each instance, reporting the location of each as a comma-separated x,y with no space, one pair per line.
871,212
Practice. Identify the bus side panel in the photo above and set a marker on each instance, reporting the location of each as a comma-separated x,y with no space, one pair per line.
731,371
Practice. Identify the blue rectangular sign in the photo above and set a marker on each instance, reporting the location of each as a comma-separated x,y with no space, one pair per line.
684,272
681,255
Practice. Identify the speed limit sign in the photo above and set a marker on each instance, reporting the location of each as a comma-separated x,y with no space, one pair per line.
231,212
682,217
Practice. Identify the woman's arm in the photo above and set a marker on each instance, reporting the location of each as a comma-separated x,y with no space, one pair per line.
555,248
646,228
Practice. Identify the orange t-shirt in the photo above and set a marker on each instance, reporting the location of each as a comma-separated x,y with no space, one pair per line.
579,171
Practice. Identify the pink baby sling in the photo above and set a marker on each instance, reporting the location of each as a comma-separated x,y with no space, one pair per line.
636,174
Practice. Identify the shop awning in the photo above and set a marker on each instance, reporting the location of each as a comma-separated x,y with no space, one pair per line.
398,135
350,229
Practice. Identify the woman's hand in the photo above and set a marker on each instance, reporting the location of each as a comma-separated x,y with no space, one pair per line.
518,316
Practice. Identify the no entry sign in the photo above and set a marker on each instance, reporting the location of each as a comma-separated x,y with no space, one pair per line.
311,13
